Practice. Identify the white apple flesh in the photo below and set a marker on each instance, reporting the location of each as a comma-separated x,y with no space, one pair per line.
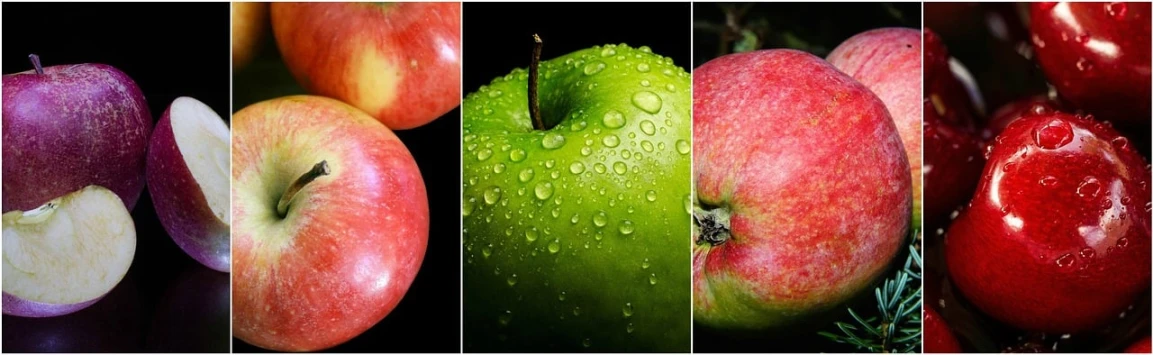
187,175
67,254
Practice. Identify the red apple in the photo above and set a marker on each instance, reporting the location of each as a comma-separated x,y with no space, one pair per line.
1057,236
953,162
321,257
1038,104
802,186
938,337
70,126
1097,55
888,62
249,24
1140,347
188,179
399,62
950,98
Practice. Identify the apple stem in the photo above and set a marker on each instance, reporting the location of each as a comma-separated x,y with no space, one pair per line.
36,63
533,73
713,224
318,170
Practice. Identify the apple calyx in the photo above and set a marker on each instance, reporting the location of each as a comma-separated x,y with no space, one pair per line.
36,63
318,170
713,224
533,73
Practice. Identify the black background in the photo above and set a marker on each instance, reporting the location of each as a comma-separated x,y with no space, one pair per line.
428,317
818,29
167,301
495,43
498,39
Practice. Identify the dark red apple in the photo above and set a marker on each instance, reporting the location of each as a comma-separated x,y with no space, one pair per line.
1003,116
947,94
938,337
1056,238
1097,55
1140,347
953,162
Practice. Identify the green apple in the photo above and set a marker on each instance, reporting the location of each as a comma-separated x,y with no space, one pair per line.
576,235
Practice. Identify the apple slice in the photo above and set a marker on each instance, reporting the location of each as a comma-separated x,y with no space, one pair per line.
188,178
67,254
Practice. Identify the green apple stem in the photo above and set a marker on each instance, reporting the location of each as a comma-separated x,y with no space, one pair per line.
36,63
318,170
533,73
714,225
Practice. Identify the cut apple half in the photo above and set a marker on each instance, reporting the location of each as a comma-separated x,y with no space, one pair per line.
66,254
188,178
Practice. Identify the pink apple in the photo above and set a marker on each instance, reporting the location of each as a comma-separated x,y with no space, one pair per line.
802,189
70,126
188,180
399,62
888,62
330,219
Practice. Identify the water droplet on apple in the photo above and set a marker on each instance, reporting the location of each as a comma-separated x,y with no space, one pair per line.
627,311
1116,9
651,195
525,175
562,296
646,83
549,163
468,206
1037,41
517,155
600,168
645,264
1122,242
600,219
484,154
486,251
626,227
643,67
554,246
620,168
1084,64
611,141
647,146
1120,143
587,342
543,190
492,195
1049,181
1106,204
576,167
613,119
1088,253
608,51
578,126
1065,260
586,151
498,168
625,153
576,311
505,318
575,218
648,127
630,328
495,93
531,234
683,146
645,49
647,101
652,279
1089,188
594,67
1053,135
552,140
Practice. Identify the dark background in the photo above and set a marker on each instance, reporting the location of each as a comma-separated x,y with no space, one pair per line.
817,29
167,302
1004,70
428,317
495,43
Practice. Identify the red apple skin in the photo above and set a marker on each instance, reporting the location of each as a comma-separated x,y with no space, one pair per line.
73,126
949,97
358,234
888,62
812,169
180,204
938,337
953,163
1097,55
1056,238
399,62
24,308
1038,104
1140,347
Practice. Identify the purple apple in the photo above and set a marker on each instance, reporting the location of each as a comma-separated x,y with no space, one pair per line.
70,126
67,254
188,178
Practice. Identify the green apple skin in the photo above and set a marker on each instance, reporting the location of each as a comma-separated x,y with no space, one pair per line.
579,245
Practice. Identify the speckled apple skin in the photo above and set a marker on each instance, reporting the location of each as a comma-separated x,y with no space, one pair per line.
20,307
814,172
938,337
181,205
1056,238
352,241
73,126
399,62
1097,55
888,62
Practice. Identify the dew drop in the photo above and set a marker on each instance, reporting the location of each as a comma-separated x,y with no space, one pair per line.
575,218
505,318
1116,9
630,328
484,154
554,246
611,141
643,67
562,296
608,51
600,219
525,175
1088,253
626,227
651,195
1049,181
531,234
645,264
1123,242
543,190
613,119
647,146
620,168
652,279
486,251
492,195
600,168
1120,143
576,167
1084,64
683,146
517,155
586,151
587,343
1055,134
647,101
511,280
1089,188
1065,260
467,206
594,67
648,127
552,140
627,310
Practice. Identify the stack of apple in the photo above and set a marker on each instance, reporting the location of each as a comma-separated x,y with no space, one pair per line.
331,212
79,145
1044,204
